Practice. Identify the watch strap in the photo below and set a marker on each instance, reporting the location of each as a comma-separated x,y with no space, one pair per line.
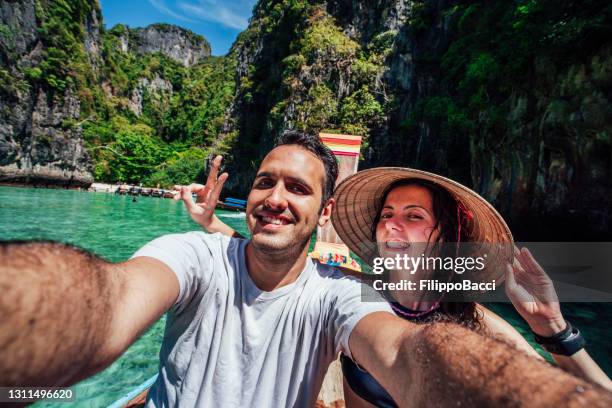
566,343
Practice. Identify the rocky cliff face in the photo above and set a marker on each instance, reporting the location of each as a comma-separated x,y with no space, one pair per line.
538,145
177,43
555,170
157,86
54,77
36,145
181,45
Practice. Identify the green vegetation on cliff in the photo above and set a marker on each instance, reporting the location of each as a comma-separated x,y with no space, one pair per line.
64,61
311,75
144,117
501,49
511,98
165,112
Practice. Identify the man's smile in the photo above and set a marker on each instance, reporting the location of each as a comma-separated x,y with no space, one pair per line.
271,221
274,220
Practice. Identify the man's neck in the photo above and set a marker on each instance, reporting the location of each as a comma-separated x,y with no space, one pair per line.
272,271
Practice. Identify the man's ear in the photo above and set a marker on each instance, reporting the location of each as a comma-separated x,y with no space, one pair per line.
326,212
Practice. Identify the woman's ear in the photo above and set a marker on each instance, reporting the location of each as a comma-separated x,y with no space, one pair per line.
326,212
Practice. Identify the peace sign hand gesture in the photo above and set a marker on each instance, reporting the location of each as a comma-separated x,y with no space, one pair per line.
202,210
533,294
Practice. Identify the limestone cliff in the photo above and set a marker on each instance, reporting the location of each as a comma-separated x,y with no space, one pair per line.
512,99
36,145
177,43
60,71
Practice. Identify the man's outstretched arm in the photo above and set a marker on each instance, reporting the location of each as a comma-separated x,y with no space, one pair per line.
442,363
67,314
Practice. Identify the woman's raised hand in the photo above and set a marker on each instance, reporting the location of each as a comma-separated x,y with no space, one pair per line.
533,294
202,210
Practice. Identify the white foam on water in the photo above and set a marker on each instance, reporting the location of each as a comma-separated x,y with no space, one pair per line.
237,215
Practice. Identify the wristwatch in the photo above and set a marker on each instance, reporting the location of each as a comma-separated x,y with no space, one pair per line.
565,343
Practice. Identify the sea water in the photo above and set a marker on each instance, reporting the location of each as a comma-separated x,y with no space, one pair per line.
114,227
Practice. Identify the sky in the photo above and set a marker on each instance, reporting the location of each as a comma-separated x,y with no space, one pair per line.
218,21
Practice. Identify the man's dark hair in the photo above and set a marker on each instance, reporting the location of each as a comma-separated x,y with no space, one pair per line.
313,144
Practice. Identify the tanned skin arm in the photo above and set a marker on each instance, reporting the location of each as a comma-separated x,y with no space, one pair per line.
442,363
533,295
67,314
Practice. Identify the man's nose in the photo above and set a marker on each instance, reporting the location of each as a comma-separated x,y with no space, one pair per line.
277,199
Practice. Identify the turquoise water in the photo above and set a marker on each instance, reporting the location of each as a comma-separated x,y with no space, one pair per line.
114,227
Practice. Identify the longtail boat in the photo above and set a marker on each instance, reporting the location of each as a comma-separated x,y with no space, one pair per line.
232,204
330,249
135,398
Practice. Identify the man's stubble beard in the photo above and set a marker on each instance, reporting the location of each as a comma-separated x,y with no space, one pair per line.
273,246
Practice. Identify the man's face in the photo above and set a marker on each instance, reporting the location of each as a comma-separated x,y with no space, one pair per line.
283,207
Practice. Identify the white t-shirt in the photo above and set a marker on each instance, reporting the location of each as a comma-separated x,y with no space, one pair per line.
229,344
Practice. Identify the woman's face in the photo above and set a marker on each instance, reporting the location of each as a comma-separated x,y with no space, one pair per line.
406,218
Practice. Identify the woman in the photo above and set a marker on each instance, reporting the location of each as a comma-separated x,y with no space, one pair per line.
381,211
384,212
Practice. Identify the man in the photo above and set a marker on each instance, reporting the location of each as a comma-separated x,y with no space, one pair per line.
252,314
250,323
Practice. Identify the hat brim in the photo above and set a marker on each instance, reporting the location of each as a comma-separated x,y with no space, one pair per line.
359,199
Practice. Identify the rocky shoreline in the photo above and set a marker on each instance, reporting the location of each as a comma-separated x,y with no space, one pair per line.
44,176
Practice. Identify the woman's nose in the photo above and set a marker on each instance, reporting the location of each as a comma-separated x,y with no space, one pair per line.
392,224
